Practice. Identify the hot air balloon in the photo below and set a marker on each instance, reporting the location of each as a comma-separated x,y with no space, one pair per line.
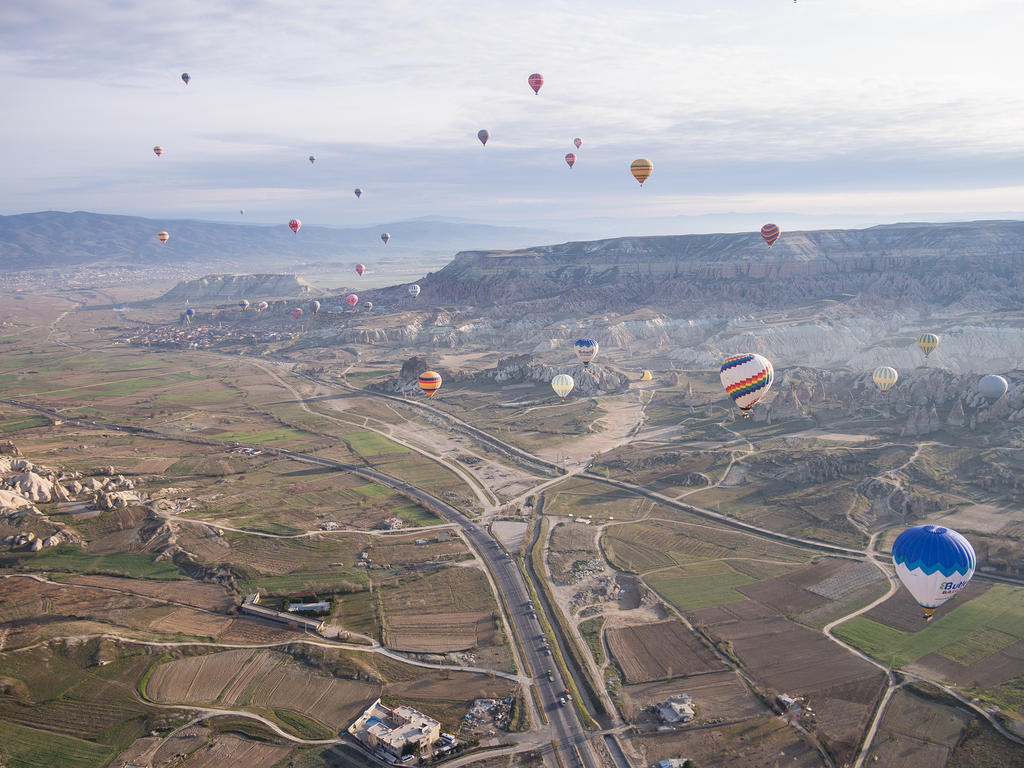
163,237
158,150
934,563
885,378
430,382
242,211
368,305
562,384
993,387
295,225
315,306
385,237
747,378
770,233
244,304
360,268
646,375
927,342
352,299
358,192
536,80
483,135
414,290
641,168
578,142
585,350
186,77
262,306
312,159
189,314
297,313
570,159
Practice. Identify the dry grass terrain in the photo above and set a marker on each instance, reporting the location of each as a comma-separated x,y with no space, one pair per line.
667,649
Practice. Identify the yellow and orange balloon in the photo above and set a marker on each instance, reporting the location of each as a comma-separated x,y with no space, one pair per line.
641,168
430,382
163,237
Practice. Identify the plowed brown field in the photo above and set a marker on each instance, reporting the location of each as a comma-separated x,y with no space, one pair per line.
658,651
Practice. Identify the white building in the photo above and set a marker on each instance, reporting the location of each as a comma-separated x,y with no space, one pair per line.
391,731
676,709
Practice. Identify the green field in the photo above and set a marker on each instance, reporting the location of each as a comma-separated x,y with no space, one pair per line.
373,490
688,593
122,388
265,437
991,620
138,566
27,422
31,748
372,444
591,632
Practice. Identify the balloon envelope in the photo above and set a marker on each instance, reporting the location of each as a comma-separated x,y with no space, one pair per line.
158,150
352,299
244,304
296,313
770,233
185,76
295,225
163,237
190,312
262,305
927,342
357,192
536,80
885,378
360,268
414,290
934,563
385,237
312,159
747,378
570,159
641,168
578,142
242,211
368,305
562,384
585,350
646,375
315,306
483,136
993,387
430,382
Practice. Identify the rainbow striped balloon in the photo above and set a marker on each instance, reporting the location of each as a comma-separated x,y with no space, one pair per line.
430,382
927,342
770,233
747,378
641,168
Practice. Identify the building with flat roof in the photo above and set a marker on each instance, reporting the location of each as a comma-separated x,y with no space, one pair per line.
396,732
676,709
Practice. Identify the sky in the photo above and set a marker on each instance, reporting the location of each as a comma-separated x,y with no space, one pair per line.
820,112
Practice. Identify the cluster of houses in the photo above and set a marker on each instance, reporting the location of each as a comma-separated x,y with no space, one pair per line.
201,336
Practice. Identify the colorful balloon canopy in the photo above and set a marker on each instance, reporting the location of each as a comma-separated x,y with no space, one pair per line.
163,237
770,233
368,305
190,312
586,350
360,268
315,306
993,387
536,80
747,378
430,382
934,563
414,290
641,168
297,313
295,225
262,306
570,159
578,142
885,378
158,150
927,343
244,304
185,76
385,237
357,192
483,136
351,299
312,159
562,384
646,375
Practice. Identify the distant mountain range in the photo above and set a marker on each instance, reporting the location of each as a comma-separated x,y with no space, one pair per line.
55,239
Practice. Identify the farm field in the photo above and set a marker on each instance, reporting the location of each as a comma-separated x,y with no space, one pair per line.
591,499
915,731
648,652
714,695
229,748
33,748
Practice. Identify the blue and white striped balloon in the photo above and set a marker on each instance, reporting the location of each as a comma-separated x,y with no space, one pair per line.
934,563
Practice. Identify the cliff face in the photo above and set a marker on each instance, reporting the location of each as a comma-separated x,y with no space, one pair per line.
236,287
975,264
